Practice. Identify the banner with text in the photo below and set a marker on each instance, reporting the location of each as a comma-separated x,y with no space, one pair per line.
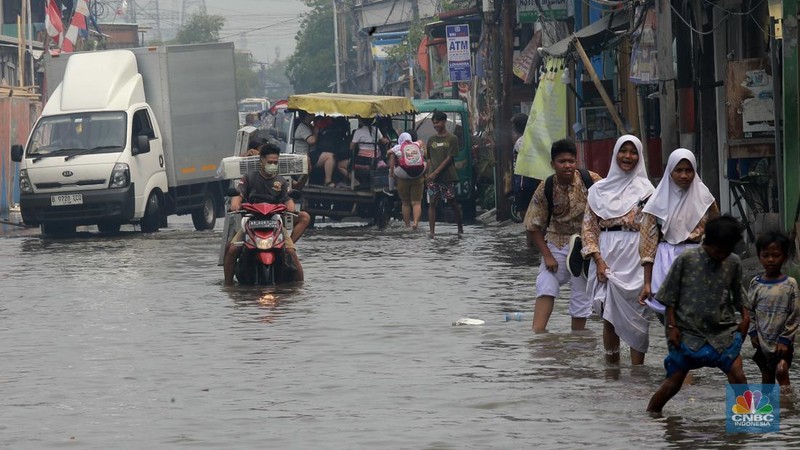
458,54
547,123
528,11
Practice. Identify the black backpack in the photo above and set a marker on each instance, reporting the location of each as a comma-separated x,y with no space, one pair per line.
548,189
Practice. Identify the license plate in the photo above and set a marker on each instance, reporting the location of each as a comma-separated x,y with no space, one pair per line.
261,224
68,199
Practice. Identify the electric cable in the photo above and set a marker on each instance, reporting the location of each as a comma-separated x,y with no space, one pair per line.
702,33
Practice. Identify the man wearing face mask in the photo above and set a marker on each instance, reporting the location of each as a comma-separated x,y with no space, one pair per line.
264,186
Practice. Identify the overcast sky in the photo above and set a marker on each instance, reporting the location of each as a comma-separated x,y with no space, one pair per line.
265,27
261,26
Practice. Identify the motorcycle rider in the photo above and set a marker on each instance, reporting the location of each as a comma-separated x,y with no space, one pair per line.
265,186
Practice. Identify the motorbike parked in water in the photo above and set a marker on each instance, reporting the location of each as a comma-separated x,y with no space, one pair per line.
263,259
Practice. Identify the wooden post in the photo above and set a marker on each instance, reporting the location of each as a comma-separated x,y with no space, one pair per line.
20,53
589,68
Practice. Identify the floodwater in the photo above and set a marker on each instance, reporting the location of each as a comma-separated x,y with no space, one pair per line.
131,341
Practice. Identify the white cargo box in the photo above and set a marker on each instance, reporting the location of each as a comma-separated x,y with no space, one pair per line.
235,167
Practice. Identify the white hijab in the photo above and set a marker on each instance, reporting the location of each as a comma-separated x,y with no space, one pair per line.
679,210
618,193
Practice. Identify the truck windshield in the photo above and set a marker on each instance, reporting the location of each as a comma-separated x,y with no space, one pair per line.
100,132
252,107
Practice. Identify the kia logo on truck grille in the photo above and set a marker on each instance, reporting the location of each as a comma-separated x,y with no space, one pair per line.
67,173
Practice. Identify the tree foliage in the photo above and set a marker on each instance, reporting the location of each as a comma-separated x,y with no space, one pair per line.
312,67
200,28
248,83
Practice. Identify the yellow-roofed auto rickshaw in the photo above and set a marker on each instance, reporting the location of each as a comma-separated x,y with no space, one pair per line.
324,127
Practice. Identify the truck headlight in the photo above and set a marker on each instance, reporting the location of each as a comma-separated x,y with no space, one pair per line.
25,185
120,176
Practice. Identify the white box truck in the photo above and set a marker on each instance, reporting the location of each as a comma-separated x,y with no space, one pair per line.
130,136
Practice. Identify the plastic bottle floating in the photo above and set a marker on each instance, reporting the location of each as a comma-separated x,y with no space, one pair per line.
468,321
513,316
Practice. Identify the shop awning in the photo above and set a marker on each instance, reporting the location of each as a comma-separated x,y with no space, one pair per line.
592,36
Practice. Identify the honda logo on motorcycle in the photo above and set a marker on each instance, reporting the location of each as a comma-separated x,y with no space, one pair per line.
67,173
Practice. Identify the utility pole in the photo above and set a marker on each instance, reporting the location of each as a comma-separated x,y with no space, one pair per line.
336,47
666,75
413,56
503,79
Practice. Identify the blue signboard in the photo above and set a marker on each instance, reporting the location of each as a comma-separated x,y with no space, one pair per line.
458,53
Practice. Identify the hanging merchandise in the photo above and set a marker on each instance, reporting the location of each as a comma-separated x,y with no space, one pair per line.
644,53
527,60
547,123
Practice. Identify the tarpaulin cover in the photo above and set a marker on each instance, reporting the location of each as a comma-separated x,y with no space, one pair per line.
592,36
324,103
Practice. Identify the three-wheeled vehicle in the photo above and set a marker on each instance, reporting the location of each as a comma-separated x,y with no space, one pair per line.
364,192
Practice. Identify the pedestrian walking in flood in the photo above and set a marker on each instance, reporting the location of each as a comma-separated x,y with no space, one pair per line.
702,292
774,310
550,222
611,238
442,149
674,221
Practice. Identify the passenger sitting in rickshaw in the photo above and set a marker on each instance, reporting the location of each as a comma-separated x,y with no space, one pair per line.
366,141
331,145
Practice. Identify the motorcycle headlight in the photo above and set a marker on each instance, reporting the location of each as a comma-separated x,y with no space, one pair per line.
25,185
120,176
264,244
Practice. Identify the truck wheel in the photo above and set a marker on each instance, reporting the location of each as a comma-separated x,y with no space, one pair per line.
57,230
109,227
205,218
151,220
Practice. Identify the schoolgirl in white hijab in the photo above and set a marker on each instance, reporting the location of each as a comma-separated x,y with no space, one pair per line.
620,191
674,221
611,238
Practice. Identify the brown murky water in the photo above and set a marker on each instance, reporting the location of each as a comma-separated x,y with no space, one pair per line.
132,342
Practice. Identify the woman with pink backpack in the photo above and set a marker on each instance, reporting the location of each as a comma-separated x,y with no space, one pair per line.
407,167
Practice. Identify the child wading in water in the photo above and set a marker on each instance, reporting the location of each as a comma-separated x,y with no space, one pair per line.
774,310
702,292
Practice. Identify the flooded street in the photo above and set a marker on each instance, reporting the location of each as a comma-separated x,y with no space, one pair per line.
131,341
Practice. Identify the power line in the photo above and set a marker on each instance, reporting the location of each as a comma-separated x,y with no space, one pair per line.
261,28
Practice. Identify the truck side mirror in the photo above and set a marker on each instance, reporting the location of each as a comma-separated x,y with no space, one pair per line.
16,153
142,145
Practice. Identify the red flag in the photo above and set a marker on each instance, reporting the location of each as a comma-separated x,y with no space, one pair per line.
78,23
52,19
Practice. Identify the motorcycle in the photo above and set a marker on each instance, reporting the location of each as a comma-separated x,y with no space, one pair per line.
263,260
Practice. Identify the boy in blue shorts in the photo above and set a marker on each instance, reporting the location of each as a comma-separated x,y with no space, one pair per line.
774,309
702,292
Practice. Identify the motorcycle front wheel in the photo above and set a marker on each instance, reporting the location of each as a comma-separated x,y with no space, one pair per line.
265,275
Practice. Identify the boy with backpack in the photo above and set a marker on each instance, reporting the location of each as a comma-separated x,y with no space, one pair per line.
550,223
